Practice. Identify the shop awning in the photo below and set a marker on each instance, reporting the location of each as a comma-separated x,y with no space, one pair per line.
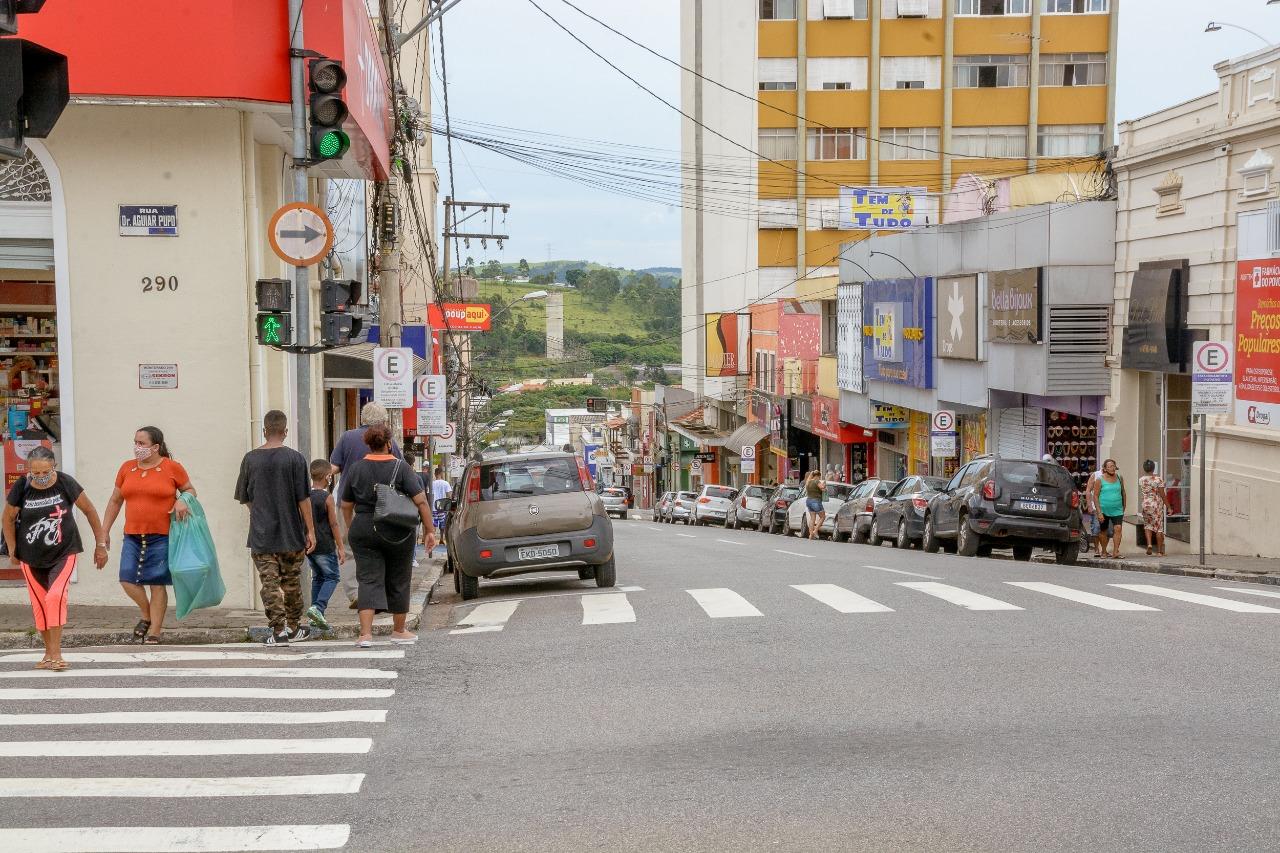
748,434
352,366
705,435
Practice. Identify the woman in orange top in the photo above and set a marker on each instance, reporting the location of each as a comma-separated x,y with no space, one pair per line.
147,487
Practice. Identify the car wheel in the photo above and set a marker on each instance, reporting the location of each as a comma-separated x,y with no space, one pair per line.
622,516
457,580
902,541
874,536
930,543
1022,553
985,550
967,541
586,574
859,538
470,586
607,573
1067,553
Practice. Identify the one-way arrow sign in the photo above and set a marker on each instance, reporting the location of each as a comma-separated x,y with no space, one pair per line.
300,234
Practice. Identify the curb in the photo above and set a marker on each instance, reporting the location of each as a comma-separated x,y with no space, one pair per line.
1180,569
179,636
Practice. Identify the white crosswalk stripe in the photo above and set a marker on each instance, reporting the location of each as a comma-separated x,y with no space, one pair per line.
176,839
1092,599
1197,598
485,618
215,655
607,609
236,746
282,693
164,787
723,603
1263,592
841,599
341,673
956,595
203,718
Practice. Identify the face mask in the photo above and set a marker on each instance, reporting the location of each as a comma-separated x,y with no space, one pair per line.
41,481
141,452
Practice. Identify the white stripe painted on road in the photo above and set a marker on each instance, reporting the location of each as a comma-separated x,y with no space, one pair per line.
731,542
687,535
486,618
1264,592
232,746
335,672
175,839
723,603
177,656
1197,598
163,787
792,553
956,595
1081,597
184,718
901,572
607,609
841,599
22,694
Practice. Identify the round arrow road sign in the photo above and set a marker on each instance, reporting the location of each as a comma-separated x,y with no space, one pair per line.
300,234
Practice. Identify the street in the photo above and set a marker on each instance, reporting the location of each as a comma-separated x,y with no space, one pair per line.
736,692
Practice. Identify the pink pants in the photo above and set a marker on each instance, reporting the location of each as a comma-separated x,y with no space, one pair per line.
48,591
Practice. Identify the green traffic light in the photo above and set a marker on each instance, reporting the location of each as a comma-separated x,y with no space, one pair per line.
333,143
271,331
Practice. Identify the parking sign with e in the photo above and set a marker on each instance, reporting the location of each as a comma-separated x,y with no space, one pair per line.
393,377
1211,378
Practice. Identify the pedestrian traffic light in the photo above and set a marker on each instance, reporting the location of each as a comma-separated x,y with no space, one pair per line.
337,326
328,111
597,405
33,83
274,322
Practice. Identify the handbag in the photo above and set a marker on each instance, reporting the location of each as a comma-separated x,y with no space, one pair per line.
394,509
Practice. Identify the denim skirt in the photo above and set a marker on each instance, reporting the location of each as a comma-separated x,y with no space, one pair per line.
144,560
813,505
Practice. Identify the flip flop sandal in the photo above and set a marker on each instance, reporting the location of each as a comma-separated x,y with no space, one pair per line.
44,664
58,665
152,640
403,641
140,630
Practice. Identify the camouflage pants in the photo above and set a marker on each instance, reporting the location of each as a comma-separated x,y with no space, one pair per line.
281,576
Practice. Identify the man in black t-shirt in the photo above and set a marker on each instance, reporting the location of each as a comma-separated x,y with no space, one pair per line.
273,483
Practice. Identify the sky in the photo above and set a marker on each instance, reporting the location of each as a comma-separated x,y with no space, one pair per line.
508,65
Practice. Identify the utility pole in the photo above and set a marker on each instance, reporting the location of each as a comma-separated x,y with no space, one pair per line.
390,297
301,275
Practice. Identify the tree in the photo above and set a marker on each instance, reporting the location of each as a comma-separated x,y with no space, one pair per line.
523,266
492,270
470,266
574,276
601,285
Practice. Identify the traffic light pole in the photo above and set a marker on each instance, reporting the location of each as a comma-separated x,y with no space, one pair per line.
301,289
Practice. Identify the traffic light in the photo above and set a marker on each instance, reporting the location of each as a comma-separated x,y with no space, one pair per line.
597,405
274,322
328,111
33,83
337,326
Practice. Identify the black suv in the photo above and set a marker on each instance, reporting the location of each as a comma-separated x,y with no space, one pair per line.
773,515
1006,503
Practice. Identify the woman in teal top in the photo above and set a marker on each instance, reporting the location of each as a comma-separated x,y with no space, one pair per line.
1108,499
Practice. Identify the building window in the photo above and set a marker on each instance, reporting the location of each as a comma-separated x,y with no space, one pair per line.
777,10
836,73
991,71
777,143
909,143
1256,175
778,213
837,143
911,72
1069,140
822,214
836,10
1073,69
911,9
993,7
830,327
1074,7
777,75
1010,141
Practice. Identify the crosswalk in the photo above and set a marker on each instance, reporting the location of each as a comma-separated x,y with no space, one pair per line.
600,608
186,749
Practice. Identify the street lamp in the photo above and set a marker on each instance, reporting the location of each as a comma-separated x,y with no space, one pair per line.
1215,26
528,297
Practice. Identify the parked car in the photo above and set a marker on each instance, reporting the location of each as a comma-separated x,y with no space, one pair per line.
615,501
662,506
682,507
775,508
834,497
899,517
713,504
527,512
1007,503
747,507
853,519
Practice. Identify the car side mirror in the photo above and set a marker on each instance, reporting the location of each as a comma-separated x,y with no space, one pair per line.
444,505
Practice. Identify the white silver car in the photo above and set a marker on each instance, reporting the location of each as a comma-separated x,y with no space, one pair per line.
748,506
615,502
682,507
714,504
832,499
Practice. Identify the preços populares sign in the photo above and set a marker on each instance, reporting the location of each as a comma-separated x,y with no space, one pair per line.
1257,375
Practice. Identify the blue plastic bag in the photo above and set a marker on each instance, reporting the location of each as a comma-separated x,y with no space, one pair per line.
193,563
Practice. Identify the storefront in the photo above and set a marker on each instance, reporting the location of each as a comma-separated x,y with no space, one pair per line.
891,425
847,451
804,446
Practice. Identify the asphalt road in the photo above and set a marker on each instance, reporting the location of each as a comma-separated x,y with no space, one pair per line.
894,701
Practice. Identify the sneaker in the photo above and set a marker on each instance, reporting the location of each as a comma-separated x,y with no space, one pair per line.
300,634
315,617
274,639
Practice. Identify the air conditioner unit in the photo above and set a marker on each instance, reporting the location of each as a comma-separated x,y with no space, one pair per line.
913,8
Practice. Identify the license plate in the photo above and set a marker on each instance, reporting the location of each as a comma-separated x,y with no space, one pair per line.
538,552
1035,506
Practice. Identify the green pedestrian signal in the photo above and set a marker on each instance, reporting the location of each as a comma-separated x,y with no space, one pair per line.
274,321
274,330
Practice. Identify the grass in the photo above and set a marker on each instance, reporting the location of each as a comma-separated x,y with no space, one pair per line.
579,314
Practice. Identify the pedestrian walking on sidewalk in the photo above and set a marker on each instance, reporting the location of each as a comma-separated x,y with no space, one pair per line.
324,559
384,558
1108,495
440,489
351,448
1155,503
147,487
814,487
273,485
43,540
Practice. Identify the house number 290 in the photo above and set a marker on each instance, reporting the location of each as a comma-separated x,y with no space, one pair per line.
159,284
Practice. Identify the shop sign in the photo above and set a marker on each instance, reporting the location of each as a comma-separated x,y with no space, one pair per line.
802,413
460,316
728,340
882,208
1158,317
1013,306
1257,372
157,376
957,313
849,338
709,458
885,416
148,220
826,422
1211,378
942,434
897,327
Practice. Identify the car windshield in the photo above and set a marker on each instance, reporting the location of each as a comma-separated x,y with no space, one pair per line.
789,492
754,492
716,492
522,478
1027,473
839,491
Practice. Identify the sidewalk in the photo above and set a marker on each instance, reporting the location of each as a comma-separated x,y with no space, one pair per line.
99,625
1261,570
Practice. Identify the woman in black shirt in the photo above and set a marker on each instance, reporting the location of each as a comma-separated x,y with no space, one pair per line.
43,542
384,558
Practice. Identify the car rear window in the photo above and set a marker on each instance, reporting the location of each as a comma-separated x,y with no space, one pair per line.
1028,473
839,491
790,492
687,496
617,493
714,492
521,478
935,482
754,492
